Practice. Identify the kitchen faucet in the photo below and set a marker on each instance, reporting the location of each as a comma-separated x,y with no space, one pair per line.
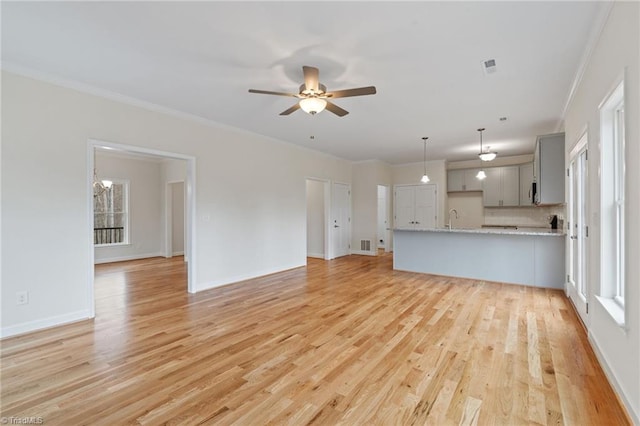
452,211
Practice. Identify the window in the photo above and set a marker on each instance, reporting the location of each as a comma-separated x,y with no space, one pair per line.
612,195
111,214
618,190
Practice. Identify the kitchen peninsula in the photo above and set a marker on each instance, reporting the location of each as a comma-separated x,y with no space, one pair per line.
528,256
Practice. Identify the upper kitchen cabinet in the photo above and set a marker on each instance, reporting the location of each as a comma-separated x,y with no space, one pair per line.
548,169
463,180
501,187
526,184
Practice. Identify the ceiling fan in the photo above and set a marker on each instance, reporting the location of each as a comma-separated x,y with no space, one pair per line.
314,96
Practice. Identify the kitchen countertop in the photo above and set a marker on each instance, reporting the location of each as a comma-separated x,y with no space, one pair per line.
499,231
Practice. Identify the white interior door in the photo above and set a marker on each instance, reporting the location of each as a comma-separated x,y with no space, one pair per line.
341,219
383,219
425,206
577,288
404,207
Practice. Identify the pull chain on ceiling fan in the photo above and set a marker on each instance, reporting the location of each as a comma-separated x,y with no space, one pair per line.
314,97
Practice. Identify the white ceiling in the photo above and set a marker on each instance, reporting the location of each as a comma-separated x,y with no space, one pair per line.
425,58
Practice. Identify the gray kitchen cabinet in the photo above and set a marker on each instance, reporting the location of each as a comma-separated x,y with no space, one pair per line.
501,188
461,180
526,182
548,160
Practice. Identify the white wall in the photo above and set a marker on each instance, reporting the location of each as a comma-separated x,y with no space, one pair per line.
146,230
174,170
315,218
469,207
617,50
249,192
367,175
437,172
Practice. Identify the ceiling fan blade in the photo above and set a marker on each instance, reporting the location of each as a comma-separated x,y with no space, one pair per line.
311,78
336,109
360,91
290,110
268,92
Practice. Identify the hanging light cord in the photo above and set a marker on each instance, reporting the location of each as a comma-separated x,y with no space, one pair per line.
481,130
425,154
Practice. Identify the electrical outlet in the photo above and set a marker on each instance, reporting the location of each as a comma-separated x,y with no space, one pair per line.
22,298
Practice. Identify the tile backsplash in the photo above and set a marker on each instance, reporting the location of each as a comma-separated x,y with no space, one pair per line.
523,216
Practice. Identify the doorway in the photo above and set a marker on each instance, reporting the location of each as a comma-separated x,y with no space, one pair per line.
577,287
189,194
341,219
383,218
175,209
317,193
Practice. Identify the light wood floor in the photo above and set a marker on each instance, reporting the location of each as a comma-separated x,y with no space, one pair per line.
348,341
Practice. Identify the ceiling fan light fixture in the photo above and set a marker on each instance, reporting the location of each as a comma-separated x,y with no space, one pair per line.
313,105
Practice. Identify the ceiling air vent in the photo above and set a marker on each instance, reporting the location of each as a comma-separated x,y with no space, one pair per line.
489,66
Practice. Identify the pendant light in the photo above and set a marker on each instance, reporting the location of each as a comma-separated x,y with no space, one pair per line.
486,155
481,174
425,178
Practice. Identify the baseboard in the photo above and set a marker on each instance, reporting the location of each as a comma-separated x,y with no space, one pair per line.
37,325
177,253
316,255
602,359
238,278
130,257
364,253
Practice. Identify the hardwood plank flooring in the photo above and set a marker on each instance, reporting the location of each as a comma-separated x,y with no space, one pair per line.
348,341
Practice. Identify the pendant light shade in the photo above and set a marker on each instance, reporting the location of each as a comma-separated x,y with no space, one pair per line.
312,105
425,178
486,155
481,175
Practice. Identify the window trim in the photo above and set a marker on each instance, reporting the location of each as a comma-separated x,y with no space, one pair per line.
612,205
